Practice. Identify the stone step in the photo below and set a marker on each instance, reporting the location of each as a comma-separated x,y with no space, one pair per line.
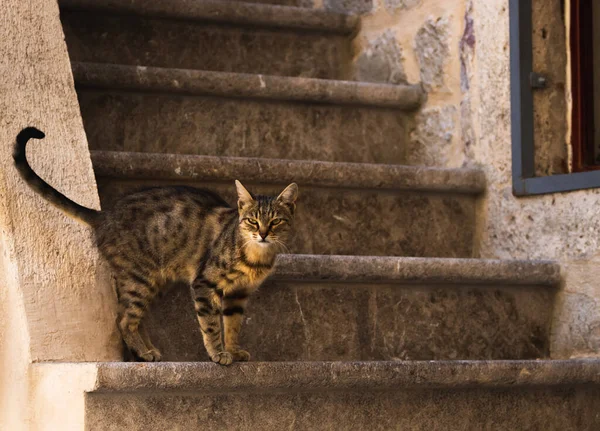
130,108
470,395
343,208
211,35
348,308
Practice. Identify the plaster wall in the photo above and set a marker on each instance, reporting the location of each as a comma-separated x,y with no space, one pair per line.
54,300
55,386
14,342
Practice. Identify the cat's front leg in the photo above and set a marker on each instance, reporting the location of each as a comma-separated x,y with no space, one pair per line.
234,305
208,310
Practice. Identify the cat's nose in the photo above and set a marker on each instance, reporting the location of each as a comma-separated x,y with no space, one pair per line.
263,235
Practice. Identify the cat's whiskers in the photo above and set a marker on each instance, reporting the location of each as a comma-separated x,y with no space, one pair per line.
281,245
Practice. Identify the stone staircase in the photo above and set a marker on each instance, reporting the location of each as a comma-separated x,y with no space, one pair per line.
381,317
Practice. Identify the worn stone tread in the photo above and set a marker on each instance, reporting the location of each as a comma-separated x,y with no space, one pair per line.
241,85
227,12
183,167
348,376
416,270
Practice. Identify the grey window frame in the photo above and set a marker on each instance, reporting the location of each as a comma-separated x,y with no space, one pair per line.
525,183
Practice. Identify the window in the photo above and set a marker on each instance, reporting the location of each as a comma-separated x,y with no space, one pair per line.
584,46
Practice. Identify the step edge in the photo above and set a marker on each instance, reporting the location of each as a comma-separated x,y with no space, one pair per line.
230,12
191,377
116,77
417,270
186,167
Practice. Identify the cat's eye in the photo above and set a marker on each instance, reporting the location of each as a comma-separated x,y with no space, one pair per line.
276,221
252,222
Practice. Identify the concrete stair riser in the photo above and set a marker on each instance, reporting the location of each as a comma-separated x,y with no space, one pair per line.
362,222
239,127
564,409
349,308
135,40
251,14
216,113
456,395
329,321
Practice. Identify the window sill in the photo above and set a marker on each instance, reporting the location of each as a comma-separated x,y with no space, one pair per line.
556,183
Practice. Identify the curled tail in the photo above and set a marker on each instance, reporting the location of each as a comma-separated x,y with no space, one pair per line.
70,208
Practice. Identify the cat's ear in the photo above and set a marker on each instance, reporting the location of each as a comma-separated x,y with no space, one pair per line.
288,196
244,196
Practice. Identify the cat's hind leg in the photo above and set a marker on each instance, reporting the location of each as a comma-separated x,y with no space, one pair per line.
134,298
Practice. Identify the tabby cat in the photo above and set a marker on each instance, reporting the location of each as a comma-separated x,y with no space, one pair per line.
162,235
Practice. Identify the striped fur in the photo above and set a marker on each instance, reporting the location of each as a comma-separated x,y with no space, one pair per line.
165,235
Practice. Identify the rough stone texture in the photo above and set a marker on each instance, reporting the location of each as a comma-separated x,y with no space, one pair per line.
242,127
562,226
573,408
350,396
432,49
467,46
550,104
331,321
52,307
132,40
394,5
224,12
352,6
381,61
197,82
115,377
295,3
50,263
576,327
415,270
379,309
125,165
431,140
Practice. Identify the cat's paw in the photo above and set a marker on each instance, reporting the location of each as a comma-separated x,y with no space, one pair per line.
222,358
152,355
240,355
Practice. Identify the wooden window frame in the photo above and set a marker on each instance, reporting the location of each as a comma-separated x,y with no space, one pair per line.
582,86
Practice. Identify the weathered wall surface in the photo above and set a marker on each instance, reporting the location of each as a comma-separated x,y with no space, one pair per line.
550,103
564,226
53,307
419,41
460,50
14,343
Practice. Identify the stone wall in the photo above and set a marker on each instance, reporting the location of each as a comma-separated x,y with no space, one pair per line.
562,226
419,41
459,49
54,304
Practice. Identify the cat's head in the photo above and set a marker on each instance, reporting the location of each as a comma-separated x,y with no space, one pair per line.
266,221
